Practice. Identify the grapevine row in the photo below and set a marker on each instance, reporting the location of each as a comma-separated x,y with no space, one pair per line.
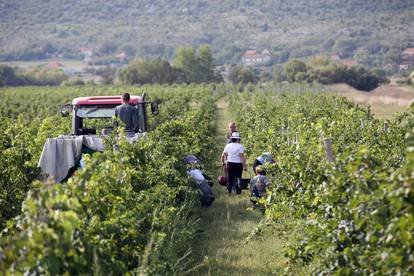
355,213
127,211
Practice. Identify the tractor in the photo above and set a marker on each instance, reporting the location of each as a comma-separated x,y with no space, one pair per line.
61,156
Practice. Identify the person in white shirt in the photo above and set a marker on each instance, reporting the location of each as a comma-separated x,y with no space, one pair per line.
234,160
200,179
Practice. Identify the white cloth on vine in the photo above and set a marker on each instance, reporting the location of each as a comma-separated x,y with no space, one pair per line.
233,152
61,153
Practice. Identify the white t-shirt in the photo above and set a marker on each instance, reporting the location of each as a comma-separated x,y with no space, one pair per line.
233,152
196,174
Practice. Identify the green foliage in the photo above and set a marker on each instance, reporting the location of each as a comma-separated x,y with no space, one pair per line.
326,71
298,28
356,213
363,79
141,71
108,75
189,66
44,76
293,68
197,67
239,74
73,82
8,77
126,211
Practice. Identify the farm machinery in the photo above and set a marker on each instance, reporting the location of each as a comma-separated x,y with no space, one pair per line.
92,121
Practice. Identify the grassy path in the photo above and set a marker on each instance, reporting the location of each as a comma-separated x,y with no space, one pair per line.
223,247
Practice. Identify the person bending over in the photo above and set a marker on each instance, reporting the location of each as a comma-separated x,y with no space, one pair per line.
258,185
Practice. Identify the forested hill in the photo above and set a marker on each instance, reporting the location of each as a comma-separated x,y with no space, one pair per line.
298,28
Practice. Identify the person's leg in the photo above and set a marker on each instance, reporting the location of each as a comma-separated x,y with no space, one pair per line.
231,175
238,174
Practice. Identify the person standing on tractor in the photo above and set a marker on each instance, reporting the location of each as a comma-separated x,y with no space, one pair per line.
128,115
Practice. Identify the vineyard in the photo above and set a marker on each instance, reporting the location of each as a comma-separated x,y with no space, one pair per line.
341,186
341,178
128,210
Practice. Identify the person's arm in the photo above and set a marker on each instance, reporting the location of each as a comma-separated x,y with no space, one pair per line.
224,158
135,120
224,155
115,120
243,160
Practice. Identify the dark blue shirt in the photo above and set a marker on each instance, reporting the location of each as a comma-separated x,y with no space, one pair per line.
128,114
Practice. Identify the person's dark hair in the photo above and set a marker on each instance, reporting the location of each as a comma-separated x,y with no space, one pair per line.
260,170
234,140
126,97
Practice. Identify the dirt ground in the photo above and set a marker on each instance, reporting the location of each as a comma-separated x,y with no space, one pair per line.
386,101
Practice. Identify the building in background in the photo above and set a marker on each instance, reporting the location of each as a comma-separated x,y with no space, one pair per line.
253,57
87,54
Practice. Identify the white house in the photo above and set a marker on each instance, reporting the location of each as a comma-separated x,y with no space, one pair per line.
253,57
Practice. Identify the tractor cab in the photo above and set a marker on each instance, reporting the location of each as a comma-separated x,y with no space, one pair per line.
92,120
94,115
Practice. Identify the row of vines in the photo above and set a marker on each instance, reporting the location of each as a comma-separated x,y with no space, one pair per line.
355,212
128,210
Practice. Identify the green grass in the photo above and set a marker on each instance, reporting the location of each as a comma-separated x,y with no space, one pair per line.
230,242
387,111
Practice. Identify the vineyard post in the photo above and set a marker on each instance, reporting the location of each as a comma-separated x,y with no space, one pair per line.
362,124
368,110
385,126
327,142
297,139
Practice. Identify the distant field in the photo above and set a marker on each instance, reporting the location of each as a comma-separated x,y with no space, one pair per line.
70,63
386,101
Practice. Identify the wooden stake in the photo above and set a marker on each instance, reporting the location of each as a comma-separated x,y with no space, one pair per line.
328,149
297,139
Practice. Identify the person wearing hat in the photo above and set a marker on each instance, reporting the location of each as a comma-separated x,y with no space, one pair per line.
232,128
265,158
234,160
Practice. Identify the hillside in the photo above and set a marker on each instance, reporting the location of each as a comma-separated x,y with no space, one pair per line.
372,31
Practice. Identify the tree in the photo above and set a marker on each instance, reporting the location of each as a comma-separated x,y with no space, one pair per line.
239,74
293,67
108,75
205,64
108,47
8,76
363,79
277,73
142,71
197,67
185,60
44,76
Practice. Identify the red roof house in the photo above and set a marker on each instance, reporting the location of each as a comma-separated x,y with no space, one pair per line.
54,65
252,57
349,62
408,51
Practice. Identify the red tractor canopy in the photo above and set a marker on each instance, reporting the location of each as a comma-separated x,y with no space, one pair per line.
95,113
